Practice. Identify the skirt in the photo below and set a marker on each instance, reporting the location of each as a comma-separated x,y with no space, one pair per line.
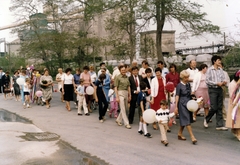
68,92
203,92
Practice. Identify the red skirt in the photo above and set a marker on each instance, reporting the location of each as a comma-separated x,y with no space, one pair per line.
161,96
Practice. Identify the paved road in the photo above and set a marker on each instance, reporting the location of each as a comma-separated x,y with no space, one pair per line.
120,146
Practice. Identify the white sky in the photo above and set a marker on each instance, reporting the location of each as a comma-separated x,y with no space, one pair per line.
224,13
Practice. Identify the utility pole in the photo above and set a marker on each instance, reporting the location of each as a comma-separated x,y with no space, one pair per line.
224,40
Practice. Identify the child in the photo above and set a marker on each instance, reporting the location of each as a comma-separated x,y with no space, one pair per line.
141,100
113,102
162,116
81,99
26,92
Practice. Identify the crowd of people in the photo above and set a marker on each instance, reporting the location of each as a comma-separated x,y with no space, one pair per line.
131,87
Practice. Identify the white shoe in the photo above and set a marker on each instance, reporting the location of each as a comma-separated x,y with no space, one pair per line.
205,123
24,104
221,129
28,105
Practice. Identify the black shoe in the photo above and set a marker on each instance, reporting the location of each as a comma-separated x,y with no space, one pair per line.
79,114
140,132
168,130
148,135
87,114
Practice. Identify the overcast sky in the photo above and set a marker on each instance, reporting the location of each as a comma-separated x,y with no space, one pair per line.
224,13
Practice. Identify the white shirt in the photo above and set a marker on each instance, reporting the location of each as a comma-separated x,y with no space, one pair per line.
111,94
227,79
59,76
116,72
93,76
100,72
141,72
68,79
164,115
26,88
165,71
192,74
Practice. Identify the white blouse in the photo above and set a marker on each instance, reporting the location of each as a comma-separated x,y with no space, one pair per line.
68,79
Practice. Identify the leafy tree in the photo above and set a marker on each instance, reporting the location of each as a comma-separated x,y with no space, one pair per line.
232,57
187,13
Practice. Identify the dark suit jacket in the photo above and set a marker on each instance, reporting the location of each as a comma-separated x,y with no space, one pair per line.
133,83
148,85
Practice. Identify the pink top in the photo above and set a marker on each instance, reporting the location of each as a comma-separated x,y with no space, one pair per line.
202,83
86,77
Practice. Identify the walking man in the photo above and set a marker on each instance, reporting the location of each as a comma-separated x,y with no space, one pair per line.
215,80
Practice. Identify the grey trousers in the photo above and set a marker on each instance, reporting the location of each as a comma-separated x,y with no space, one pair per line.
216,105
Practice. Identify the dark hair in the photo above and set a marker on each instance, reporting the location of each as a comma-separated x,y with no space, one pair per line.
158,69
102,76
160,62
7,72
173,66
120,67
68,70
235,76
102,63
164,102
143,85
78,70
46,70
215,58
104,69
148,70
202,66
15,71
23,71
86,68
1,68
144,61
134,68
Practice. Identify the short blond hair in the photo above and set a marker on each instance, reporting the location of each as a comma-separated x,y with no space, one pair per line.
184,73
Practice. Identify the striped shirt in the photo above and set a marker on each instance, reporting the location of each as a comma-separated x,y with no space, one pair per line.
214,76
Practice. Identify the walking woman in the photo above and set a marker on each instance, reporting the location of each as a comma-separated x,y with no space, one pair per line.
183,95
234,96
46,84
68,87
16,87
200,89
157,91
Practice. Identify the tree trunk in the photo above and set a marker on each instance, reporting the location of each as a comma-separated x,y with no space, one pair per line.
160,18
132,32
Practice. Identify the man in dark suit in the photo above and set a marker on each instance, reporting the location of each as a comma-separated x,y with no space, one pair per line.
134,80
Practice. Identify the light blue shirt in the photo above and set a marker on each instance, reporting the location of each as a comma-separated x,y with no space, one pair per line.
80,89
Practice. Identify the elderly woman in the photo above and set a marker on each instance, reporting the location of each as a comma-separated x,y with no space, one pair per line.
200,89
234,90
183,95
46,84
68,87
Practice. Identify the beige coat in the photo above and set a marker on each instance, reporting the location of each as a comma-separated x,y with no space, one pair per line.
231,88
